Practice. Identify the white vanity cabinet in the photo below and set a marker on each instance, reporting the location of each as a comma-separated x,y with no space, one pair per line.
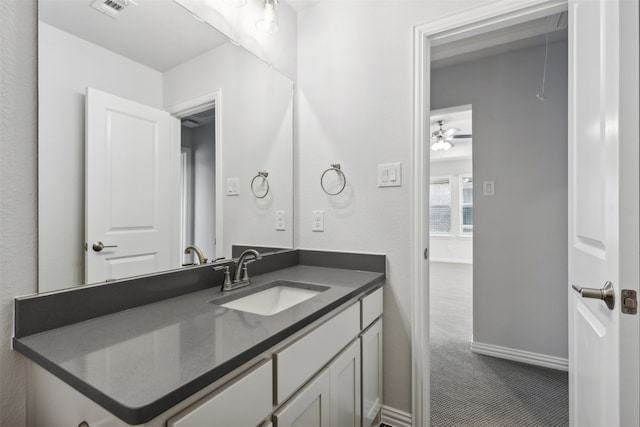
300,361
371,347
346,394
310,407
351,396
371,341
245,402
331,398
329,374
244,399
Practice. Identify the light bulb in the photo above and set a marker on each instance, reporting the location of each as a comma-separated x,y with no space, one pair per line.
268,24
441,145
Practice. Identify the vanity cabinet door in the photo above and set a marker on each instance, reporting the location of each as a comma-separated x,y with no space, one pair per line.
310,407
300,361
244,402
345,388
371,341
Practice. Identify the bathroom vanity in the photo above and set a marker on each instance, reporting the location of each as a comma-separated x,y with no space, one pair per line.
187,360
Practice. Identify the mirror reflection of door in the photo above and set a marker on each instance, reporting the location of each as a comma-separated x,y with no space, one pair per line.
132,161
198,178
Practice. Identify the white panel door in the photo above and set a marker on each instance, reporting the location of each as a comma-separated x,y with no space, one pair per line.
603,342
132,190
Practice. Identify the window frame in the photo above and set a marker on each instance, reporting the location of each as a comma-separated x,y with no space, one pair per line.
462,205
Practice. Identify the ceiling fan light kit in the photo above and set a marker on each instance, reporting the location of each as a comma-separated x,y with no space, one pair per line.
441,139
441,145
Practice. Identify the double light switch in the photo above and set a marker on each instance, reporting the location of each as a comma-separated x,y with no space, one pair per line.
390,175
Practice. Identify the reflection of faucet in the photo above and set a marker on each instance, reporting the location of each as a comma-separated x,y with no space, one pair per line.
241,268
193,248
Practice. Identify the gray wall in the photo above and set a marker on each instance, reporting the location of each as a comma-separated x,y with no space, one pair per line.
18,199
520,234
204,162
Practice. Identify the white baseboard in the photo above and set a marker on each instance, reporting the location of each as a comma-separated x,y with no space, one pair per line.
395,417
537,359
452,260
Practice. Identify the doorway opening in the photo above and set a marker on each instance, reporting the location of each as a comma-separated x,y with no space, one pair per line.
451,245
198,130
514,76
198,184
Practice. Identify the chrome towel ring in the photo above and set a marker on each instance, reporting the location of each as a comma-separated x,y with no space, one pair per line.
265,181
334,167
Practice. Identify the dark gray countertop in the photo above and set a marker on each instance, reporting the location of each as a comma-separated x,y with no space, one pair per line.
140,362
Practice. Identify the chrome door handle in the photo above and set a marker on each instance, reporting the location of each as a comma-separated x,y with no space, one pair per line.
606,294
98,246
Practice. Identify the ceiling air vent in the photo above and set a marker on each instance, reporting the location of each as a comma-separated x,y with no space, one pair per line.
111,8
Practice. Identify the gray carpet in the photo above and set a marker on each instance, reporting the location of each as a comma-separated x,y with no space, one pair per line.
468,389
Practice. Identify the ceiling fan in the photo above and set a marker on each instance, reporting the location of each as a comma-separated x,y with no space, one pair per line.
442,140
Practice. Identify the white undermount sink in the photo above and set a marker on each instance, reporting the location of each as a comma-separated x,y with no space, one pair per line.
274,299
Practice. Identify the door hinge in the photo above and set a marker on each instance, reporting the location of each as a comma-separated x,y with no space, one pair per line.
629,300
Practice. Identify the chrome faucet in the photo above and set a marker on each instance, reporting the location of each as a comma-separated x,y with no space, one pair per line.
193,248
241,275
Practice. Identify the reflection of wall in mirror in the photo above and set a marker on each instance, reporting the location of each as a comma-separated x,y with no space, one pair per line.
260,139
257,135
64,75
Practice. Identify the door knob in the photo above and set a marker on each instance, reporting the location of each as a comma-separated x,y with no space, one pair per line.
606,294
98,246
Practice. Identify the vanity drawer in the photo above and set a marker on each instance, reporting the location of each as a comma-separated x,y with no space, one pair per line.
302,359
243,402
371,308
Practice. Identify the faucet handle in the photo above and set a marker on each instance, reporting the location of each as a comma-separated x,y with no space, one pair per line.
245,273
227,277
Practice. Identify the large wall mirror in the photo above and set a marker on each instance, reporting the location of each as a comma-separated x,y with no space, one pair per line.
156,132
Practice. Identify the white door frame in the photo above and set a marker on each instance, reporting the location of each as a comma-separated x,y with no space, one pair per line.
494,15
194,106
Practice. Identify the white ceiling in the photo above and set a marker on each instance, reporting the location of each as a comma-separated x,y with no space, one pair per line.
157,33
503,40
300,5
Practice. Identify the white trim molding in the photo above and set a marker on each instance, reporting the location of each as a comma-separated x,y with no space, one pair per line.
395,417
553,362
494,15
452,260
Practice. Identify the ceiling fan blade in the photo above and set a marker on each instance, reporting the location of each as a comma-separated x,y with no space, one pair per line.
461,136
450,132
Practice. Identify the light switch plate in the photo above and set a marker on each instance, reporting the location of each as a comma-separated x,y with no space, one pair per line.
317,221
390,175
280,224
488,188
233,186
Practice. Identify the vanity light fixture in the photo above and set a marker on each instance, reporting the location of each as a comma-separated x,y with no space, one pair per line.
269,23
